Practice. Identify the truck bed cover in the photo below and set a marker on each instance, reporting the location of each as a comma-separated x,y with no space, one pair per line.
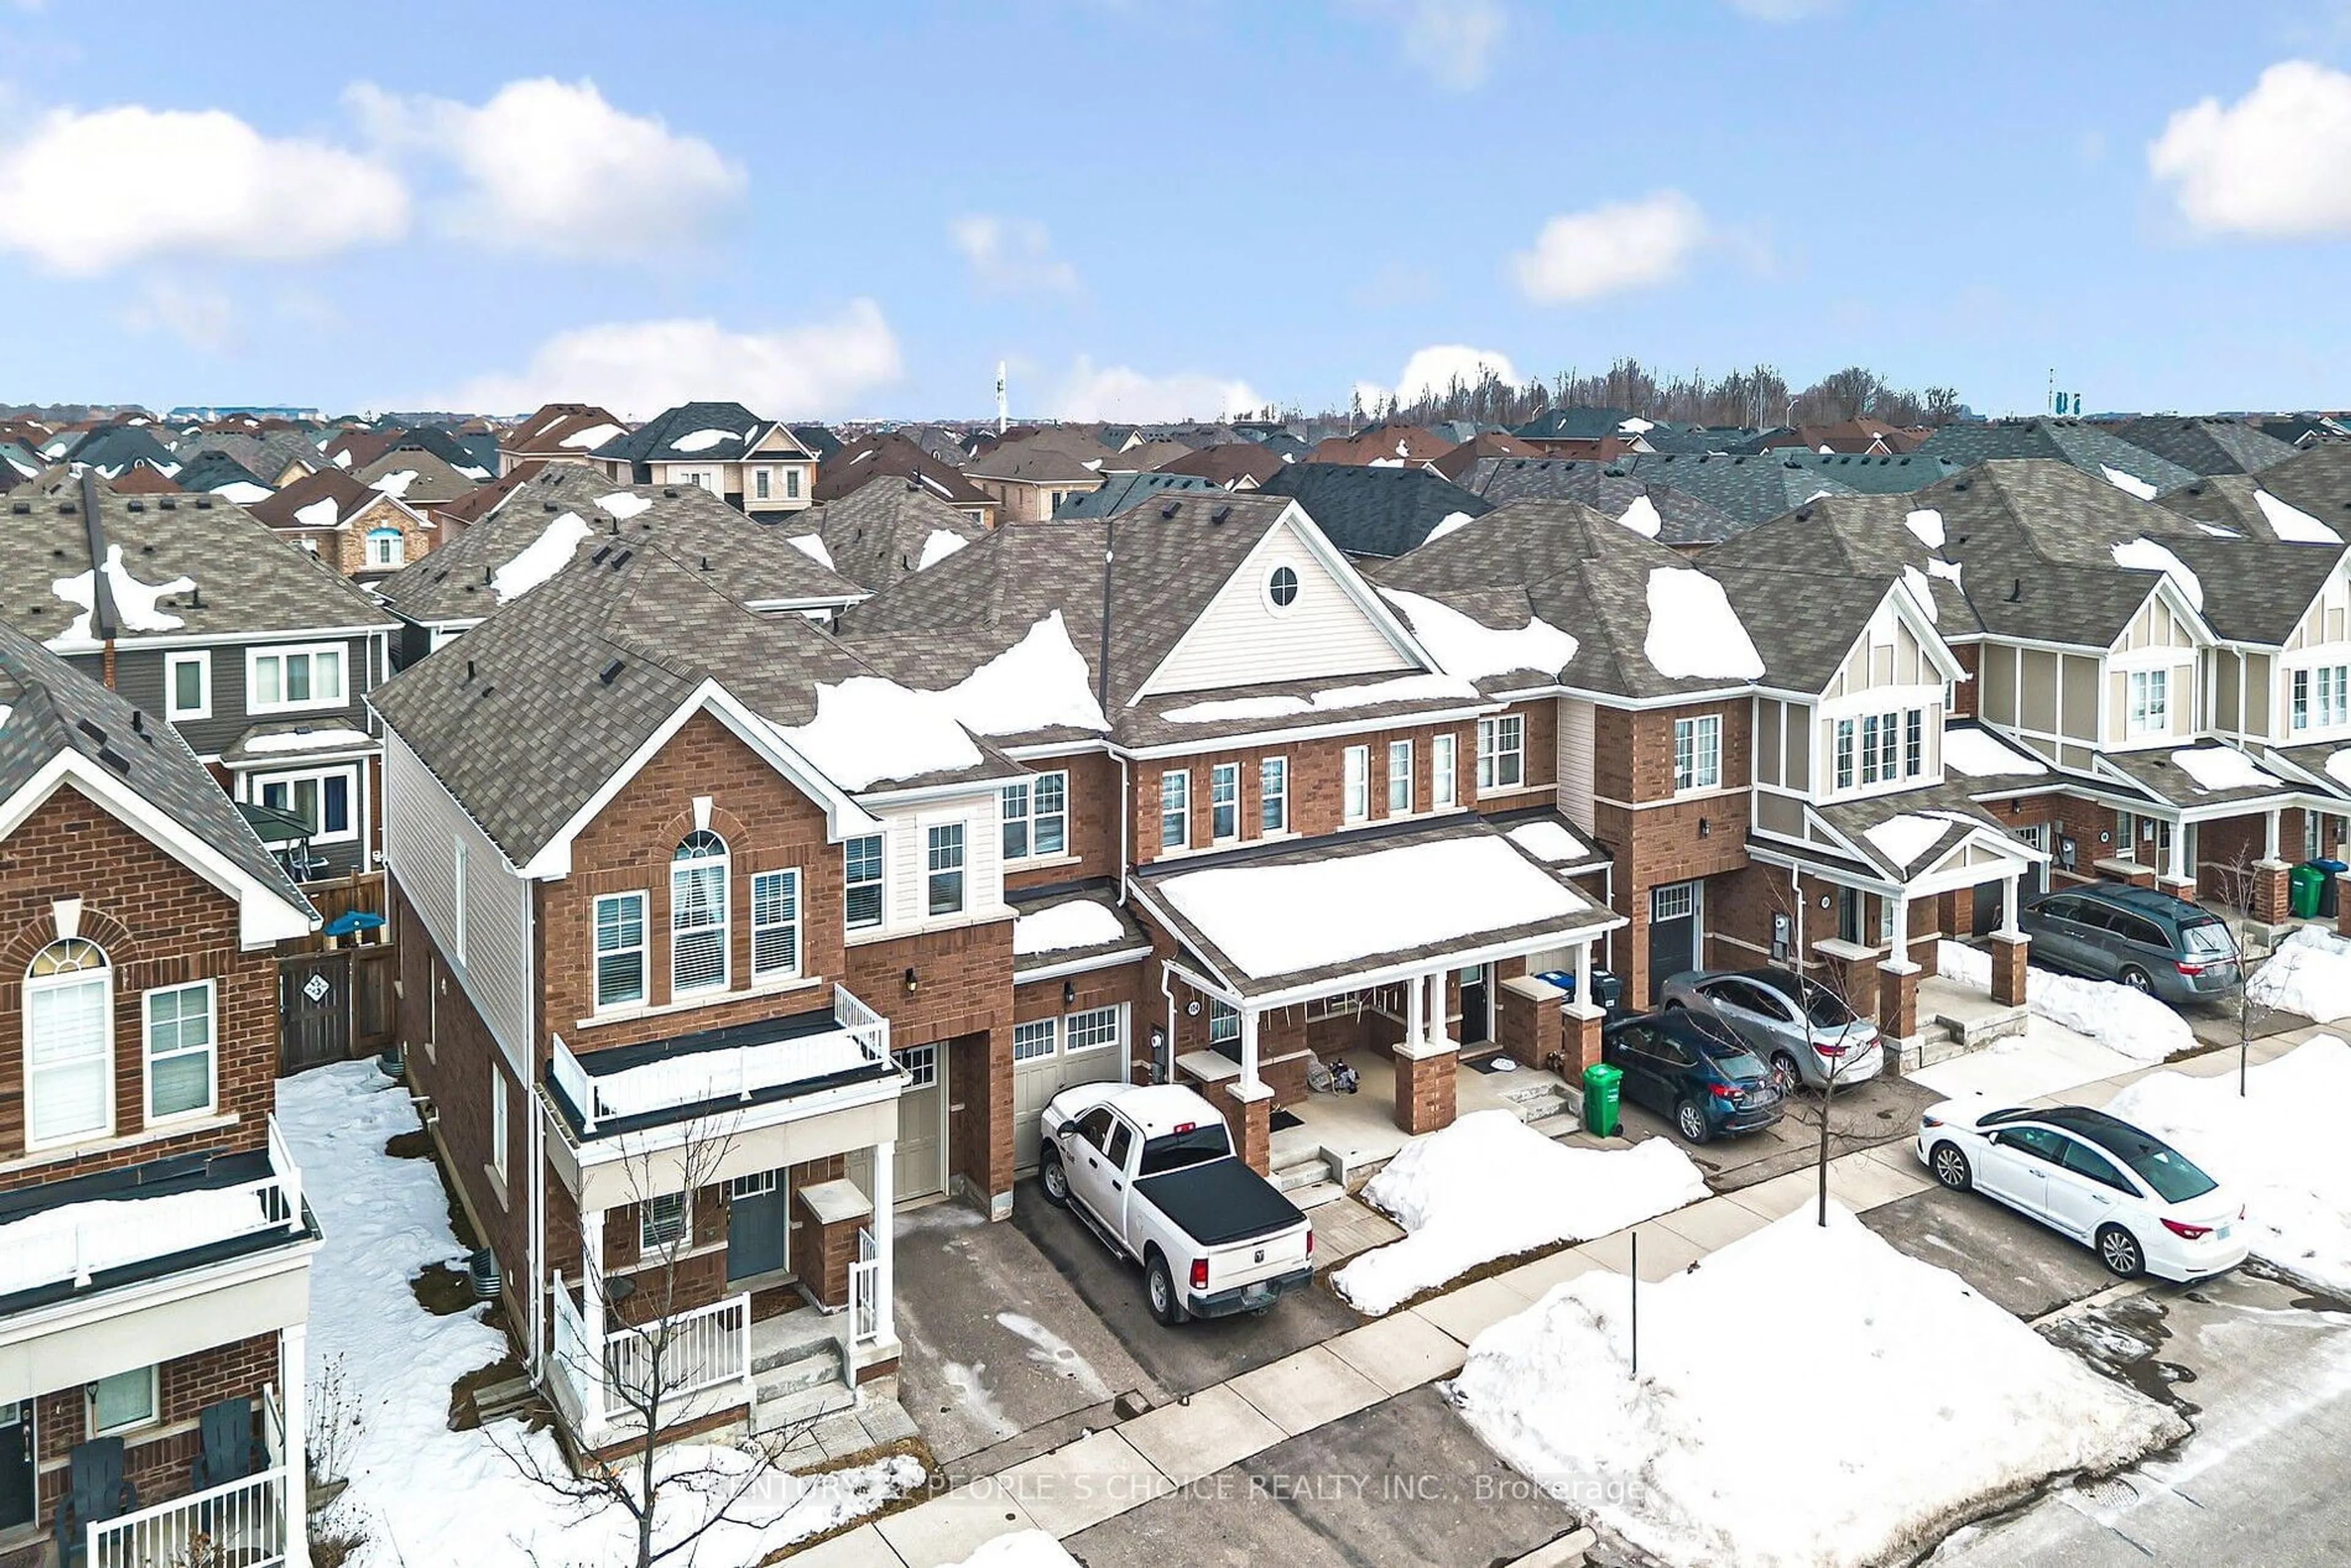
1221,1202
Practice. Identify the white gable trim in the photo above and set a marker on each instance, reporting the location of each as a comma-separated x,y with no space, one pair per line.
1922,626
1384,620
844,818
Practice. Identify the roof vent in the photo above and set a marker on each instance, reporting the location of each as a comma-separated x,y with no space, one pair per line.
610,673
90,730
2015,590
204,503
20,508
1220,514
166,504
669,492
705,563
622,560
469,669
1169,509
138,505
114,760
602,551
195,599
486,576
1961,482
550,506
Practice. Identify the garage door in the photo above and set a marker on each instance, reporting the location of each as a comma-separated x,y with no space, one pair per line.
1051,1054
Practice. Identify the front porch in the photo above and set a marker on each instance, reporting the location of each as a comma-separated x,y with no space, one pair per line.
254,1521
1355,1134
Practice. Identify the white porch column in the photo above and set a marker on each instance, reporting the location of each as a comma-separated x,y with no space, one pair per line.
1249,1079
591,1323
1415,1011
1435,1038
885,1243
2010,888
1584,974
2179,852
294,1406
1898,947
2270,835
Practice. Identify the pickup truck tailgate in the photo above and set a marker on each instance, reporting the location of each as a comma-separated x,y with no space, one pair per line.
1243,1224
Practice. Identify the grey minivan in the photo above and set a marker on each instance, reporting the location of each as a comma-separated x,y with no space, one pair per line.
2147,940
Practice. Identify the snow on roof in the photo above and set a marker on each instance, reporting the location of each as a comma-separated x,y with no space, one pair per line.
1074,923
1634,427
322,513
1549,843
1950,571
702,440
42,1249
2222,767
1473,651
2143,554
396,483
673,1083
1694,634
343,459
1282,919
594,435
1041,682
2129,484
1904,839
2293,524
867,729
1402,689
243,492
1641,516
813,547
135,602
623,504
2338,765
1979,755
308,740
1452,522
1928,523
1920,589
2218,532
941,544
541,558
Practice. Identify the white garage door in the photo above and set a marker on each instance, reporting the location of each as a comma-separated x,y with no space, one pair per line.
1051,1054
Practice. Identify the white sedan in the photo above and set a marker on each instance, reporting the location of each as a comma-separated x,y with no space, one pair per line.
2139,1203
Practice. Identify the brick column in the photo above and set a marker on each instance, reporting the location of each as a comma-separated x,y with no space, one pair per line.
2008,965
1581,1024
2269,892
2343,904
831,1213
2179,886
1424,1086
2128,871
1249,1116
1527,1020
1897,1000
1853,973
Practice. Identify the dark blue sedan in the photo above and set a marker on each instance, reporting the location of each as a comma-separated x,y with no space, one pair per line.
1693,1072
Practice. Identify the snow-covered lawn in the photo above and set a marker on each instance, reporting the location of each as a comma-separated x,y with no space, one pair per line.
1491,1186
420,1492
1806,1396
1026,1549
2279,1147
2118,1018
2309,974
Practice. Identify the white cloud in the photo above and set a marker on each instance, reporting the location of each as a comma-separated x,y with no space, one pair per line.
2269,166
636,369
1010,255
1116,392
82,193
198,316
1434,369
1451,41
1610,249
550,167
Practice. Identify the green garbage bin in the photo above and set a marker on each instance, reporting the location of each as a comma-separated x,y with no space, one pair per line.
2305,886
1601,1084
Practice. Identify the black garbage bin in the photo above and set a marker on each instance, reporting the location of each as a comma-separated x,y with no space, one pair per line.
1607,989
2327,890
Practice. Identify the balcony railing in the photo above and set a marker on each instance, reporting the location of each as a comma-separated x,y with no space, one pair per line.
244,1523
860,1037
681,1360
865,1293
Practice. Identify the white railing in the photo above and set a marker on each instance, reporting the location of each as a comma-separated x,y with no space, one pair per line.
861,1023
865,1293
698,1350
243,1522
862,1036
81,1239
574,1366
573,1078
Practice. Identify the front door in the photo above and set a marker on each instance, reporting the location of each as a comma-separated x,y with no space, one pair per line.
16,1464
758,1229
922,1169
1672,934
1476,1015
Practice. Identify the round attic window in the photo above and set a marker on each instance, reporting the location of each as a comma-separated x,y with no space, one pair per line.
1282,587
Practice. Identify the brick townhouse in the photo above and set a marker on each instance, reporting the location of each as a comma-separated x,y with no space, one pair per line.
154,1246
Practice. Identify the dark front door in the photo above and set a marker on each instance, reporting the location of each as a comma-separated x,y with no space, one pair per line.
314,1010
1476,1003
1673,934
16,1464
754,1225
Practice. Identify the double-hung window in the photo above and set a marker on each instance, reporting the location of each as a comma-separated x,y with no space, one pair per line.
861,878
1501,752
1399,777
2149,712
1844,754
776,925
1356,803
619,950
698,914
1037,816
759,483
1914,743
188,686
181,1076
1441,786
320,797
1889,748
69,1044
280,680
1698,753
1273,795
1174,810
791,484
1224,800
942,879
498,1119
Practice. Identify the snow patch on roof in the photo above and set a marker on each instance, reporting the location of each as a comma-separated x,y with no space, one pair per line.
867,729
1549,843
2222,767
1950,571
1920,589
623,504
1904,839
2143,554
1041,682
2338,765
2218,532
2292,524
396,483
1473,651
1928,523
243,492
322,513
2129,484
813,547
326,739
1074,923
594,435
1403,689
702,440
941,544
1452,522
1641,516
135,602
1980,755
541,558
1694,634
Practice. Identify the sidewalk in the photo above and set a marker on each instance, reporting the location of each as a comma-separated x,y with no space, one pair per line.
1112,1471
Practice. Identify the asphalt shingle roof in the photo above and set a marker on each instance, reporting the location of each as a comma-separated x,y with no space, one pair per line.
2086,446
2207,446
1377,512
1750,489
656,441
877,533
1122,492
1682,519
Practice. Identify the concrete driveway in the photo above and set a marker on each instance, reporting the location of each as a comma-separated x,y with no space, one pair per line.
1178,1361
2013,1261
1862,1115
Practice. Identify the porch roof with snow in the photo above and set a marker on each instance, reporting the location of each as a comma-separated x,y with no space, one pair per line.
1267,928
2206,780
1072,928
2326,766
1919,842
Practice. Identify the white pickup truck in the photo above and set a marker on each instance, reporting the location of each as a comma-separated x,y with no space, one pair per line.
1151,1169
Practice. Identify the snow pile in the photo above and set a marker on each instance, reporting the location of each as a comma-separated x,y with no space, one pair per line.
308,739
1452,522
2292,524
2310,974
135,602
701,440
813,547
241,493
1927,523
1917,1402
1041,682
1472,650
1979,754
1074,923
1549,843
867,729
593,436
322,513
1281,919
1642,517
941,544
2129,484
2122,1019
623,504
2222,767
1693,632
541,558
419,1491
1453,1193
1024,1549
1402,689
1904,839
395,483
2279,1148
42,1249
2143,554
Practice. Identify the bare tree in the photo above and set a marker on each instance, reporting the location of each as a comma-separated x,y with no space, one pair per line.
2234,882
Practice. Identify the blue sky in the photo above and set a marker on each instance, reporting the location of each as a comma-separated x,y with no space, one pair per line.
1152,210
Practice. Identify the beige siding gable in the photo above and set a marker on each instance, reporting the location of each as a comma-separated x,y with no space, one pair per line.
2328,619
1241,640
2155,625
1888,654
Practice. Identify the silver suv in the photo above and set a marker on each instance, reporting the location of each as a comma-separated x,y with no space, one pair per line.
2148,940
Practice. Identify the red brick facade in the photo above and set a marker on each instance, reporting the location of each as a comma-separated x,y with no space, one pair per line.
1317,779
157,1456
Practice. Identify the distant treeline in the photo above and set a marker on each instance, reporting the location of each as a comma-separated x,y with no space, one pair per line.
1755,398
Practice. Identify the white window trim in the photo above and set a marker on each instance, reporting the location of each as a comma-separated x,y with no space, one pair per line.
33,984
153,1417
1490,755
641,949
962,870
1282,795
725,864
796,924
1030,814
1444,772
2157,717
1117,1011
1698,727
1230,771
202,659
457,858
253,659
210,1105
1355,785
1051,1029
650,1245
348,771
396,556
1297,589
498,1119
1182,780
1399,749
880,882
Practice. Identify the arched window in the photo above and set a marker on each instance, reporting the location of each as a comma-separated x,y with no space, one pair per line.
386,548
69,1044
698,914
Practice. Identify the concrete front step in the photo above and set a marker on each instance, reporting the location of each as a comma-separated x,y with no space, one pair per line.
1316,1195
1541,1105
799,1367
1301,1174
801,1407
1559,1125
